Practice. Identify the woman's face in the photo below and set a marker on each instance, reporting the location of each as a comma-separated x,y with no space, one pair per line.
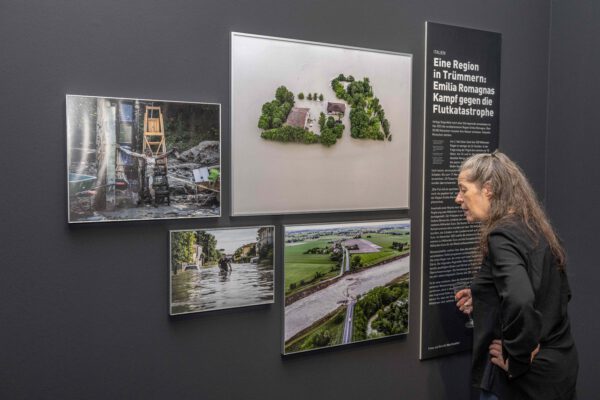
474,201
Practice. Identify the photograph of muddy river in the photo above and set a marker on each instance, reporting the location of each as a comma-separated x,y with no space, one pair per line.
308,310
210,288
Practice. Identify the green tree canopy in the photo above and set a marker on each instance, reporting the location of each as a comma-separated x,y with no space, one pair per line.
367,117
275,112
182,249
209,246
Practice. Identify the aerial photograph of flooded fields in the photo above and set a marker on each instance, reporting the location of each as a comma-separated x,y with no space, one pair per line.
345,283
329,117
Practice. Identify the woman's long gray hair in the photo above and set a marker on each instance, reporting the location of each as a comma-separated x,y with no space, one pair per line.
512,194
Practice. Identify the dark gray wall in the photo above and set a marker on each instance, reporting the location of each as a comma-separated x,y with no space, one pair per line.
83,309
573,185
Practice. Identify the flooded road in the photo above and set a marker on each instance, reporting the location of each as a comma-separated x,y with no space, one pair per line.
306,311
212,289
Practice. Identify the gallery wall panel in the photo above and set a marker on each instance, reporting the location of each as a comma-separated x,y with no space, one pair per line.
86,306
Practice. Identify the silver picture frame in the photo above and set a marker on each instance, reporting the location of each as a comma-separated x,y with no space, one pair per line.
332,271
206,281
110,180
270,177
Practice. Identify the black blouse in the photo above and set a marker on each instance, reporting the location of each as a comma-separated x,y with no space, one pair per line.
520,296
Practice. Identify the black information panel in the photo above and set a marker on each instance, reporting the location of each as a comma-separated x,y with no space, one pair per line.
461,119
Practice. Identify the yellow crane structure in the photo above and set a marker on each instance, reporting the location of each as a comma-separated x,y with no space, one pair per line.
154,140
154,131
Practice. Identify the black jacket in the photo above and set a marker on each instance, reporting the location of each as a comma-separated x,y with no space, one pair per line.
520,296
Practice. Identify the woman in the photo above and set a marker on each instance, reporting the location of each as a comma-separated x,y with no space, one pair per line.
522,344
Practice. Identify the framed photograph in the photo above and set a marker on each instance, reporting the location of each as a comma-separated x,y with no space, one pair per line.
215,269
345,283
317,127
136,159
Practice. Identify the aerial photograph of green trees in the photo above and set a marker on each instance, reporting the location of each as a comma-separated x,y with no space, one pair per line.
345,283
319,127
284,119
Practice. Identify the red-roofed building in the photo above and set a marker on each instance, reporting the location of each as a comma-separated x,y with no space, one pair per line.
336,108
298,117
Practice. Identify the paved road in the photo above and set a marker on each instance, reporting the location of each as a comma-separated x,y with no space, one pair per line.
304,312
347,337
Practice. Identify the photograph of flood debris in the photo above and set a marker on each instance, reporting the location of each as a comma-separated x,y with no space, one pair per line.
221,268
134,159
345,283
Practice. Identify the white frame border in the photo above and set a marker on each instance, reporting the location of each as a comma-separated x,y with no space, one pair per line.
232,127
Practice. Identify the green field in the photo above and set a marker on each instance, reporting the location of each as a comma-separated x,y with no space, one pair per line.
328,333
370,259
302,267
384,240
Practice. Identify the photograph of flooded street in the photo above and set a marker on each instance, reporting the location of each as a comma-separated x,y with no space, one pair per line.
345,283
221,268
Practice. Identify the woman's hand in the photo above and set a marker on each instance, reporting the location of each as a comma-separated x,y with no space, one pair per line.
498,359
534,352
464,301
496,353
